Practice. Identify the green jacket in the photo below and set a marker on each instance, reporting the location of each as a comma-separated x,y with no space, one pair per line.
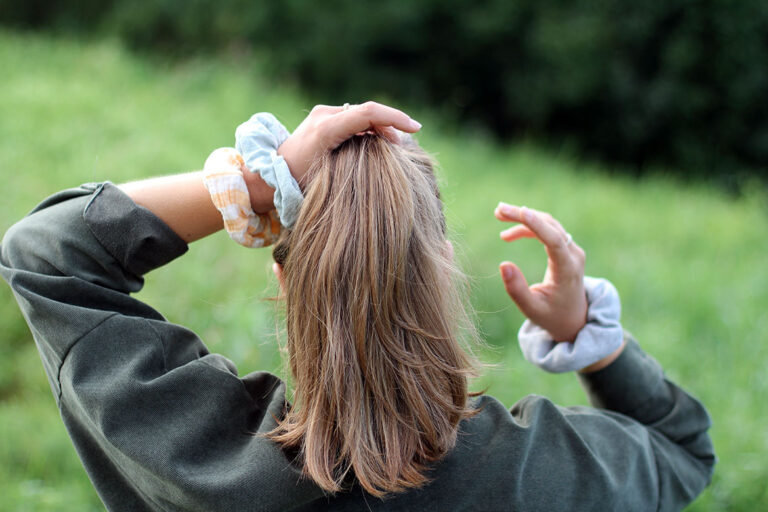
162,424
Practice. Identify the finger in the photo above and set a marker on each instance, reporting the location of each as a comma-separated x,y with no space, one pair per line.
360,118
516,232
570,245
557,224
389,133
548,234
508,213
553,221
517,288
549,228
326,109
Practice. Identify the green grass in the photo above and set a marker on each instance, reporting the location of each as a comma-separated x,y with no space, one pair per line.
689,262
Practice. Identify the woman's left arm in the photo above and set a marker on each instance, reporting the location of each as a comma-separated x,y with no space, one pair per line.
181,201
73,261
158,422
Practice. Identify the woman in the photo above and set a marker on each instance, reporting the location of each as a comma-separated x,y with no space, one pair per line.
381,417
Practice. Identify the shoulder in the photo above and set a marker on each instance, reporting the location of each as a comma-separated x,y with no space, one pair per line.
538,455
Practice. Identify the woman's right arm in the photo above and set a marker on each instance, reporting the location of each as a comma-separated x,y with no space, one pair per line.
668,447
676,423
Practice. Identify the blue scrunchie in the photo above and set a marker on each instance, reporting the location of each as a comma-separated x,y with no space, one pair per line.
600,337
257,141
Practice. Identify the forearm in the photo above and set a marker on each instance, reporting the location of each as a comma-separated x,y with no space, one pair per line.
184,204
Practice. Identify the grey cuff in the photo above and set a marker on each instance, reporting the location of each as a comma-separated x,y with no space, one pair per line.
600,337
257,141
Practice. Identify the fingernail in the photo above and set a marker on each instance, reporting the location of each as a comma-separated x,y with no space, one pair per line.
507,273
507,209
415,124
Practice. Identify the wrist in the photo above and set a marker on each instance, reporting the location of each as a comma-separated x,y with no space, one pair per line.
181,201
604,362
581,318
260,194
259,141
599,339
297,163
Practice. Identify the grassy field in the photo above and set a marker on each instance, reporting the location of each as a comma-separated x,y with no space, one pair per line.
689,262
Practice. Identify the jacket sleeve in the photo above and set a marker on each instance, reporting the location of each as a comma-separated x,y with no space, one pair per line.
676,423
158,421
644,447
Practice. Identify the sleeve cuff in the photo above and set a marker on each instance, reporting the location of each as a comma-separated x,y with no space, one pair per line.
601,336
133,235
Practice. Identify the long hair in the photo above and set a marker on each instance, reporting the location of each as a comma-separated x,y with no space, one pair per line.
374,314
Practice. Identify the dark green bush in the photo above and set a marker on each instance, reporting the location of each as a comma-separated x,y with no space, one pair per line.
680,83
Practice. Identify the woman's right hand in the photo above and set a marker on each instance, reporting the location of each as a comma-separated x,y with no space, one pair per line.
326,127
558,304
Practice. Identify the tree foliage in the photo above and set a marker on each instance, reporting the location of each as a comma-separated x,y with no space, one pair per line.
680,83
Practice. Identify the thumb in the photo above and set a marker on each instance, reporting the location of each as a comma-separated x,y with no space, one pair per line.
517,288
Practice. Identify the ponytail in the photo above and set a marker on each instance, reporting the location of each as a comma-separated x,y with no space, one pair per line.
372,316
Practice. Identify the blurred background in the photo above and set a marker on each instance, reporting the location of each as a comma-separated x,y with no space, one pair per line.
642,126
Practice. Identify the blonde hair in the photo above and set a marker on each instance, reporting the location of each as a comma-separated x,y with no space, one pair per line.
373,309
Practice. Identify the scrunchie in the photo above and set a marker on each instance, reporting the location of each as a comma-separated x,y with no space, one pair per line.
223,177
257,141
600,337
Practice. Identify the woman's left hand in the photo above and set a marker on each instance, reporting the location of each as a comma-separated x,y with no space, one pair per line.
326,127
559,303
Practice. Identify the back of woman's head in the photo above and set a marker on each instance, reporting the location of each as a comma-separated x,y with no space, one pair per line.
372,316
